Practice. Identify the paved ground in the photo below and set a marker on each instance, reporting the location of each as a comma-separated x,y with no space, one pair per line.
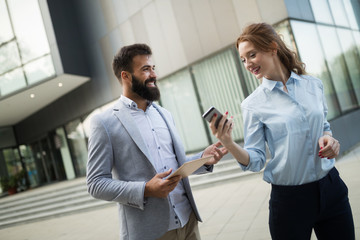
235,210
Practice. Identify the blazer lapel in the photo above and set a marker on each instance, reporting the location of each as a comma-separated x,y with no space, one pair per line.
123,114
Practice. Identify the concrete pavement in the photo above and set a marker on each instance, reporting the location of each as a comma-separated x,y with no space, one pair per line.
231,210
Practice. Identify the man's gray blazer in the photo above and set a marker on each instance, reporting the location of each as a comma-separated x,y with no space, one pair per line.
118,166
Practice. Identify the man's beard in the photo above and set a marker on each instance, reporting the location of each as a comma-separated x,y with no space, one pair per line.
148,93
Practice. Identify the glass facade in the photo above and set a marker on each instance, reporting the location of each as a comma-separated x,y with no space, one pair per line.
219,85
178,92
61,144
11,167
59,155
337,67
24,49
219,81
352,58
12,160
31,165
329,47
321,11
78,145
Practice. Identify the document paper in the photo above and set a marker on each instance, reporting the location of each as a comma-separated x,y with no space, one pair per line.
189,167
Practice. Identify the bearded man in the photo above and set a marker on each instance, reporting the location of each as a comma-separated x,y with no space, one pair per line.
133,147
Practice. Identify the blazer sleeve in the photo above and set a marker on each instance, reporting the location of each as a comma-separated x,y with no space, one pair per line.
100,182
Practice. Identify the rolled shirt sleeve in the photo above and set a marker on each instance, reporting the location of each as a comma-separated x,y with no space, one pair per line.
254,141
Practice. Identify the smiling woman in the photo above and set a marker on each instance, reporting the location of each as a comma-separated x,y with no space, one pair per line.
287,112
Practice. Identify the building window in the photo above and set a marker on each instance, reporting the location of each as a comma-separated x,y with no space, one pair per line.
12,81
78,147
31,165
310,52
356,36
29,29
321,10
9,57
332,53
12,160
349,8
179,97
61,145
352,58
6,32
337,66
338,13
39,69
218,82
24,49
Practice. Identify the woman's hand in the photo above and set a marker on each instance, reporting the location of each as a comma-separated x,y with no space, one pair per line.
223,133
329,147
224,129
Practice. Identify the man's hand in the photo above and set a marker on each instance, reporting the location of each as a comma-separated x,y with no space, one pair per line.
216,152
159,187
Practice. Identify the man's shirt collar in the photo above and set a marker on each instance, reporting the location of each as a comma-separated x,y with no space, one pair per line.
128,102
131,104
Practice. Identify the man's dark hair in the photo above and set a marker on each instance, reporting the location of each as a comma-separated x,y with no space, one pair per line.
123,60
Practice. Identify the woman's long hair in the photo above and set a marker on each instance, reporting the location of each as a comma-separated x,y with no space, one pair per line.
265,38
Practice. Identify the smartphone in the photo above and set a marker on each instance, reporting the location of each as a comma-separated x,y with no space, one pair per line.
208,115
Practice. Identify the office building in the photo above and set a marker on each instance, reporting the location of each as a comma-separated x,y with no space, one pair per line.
55,69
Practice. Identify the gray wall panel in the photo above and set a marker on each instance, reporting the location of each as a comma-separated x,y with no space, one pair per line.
68,36
7,137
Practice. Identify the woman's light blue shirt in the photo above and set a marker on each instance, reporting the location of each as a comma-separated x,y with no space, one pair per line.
291,125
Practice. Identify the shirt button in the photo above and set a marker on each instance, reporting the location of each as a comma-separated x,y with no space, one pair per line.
173,206
176,222
176,217
158,147
152,129
165,167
